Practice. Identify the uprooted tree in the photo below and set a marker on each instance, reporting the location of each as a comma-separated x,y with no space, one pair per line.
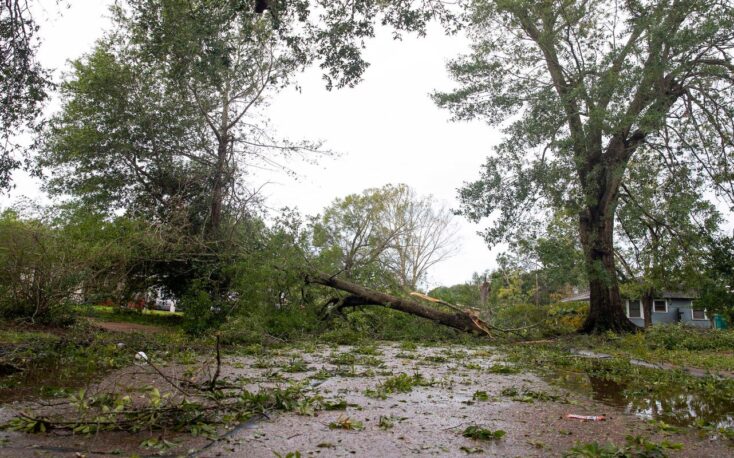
463,320
584,87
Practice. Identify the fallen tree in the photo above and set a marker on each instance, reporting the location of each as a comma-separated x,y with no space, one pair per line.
463,320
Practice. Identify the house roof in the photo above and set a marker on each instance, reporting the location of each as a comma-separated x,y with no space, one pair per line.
666,294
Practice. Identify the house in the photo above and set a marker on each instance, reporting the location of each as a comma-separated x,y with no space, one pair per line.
667,307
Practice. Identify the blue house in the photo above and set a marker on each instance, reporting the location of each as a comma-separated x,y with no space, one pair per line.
667,307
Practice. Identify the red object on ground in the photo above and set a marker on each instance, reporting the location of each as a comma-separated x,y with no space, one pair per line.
586,417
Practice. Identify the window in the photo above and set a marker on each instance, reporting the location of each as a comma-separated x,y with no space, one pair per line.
634,309
660,306
699,314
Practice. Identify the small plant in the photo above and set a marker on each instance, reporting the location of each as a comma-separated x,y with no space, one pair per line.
480,396
527,395
187,357
367,350
636,446
295,454
262,363
502,369
309,347
371,361
435,359
665,427
322,374
306,407
343,359
346,423
158,443
408,346
401,383
30,425
405,355
385,422
296,365
340,404
509,392
480,433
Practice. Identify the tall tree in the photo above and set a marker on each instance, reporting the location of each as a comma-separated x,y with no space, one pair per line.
428,237
164,112
581,87
386,237
23,82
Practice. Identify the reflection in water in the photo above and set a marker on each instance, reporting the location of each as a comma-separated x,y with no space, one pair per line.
673,405
43,379
608,391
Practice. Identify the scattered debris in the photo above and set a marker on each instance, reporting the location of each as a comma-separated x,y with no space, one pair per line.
573,416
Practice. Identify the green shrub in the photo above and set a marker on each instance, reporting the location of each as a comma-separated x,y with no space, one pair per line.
39,273
681,337
201,311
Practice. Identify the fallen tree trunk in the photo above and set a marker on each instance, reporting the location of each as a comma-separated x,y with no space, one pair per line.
466,321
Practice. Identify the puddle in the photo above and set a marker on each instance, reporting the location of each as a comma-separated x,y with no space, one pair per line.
43,378
673,405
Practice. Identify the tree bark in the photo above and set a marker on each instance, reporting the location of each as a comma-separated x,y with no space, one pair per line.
647,299
218,188
463,321
219,179
605,303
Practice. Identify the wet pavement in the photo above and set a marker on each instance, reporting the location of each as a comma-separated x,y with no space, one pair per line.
459,387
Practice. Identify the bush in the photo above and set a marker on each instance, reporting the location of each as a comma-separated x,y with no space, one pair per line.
379,323
263,325
201,311
681,337
567,317
38,272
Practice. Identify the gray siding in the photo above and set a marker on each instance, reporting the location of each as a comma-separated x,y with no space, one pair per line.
671,316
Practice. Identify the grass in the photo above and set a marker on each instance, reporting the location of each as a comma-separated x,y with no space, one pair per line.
401,383
148,317
54,360
710,349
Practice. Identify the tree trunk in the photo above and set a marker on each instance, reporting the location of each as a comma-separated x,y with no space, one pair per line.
219,182
463,321
647,308
218,188
605,303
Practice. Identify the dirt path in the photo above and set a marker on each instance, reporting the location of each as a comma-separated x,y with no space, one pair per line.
461,387
117,326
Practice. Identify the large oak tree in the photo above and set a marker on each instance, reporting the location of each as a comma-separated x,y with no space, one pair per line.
580,87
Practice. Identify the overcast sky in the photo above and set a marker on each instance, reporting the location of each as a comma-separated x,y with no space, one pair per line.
387,129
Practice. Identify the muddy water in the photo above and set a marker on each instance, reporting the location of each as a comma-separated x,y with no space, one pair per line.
673,405
44,378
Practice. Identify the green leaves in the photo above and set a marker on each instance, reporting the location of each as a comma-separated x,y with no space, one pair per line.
481,433
29,424
23,82
346,423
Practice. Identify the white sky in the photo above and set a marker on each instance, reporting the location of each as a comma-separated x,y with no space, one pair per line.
387,128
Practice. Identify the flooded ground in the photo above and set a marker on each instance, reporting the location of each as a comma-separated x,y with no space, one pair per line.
673,405
452,389
44,378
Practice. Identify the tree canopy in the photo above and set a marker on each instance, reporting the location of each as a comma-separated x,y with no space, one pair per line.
580,89
23,81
